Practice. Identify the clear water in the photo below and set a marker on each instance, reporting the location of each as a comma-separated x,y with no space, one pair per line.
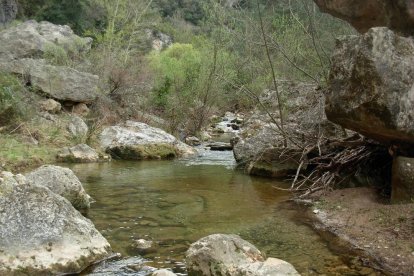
174,203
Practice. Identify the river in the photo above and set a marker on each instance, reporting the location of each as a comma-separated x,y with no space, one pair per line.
174,203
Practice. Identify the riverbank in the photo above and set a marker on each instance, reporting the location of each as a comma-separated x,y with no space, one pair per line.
359,221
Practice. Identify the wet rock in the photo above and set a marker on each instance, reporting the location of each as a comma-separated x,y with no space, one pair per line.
50,106
143,246
61,181
402,180
163,272
32,40
121,267
363,15
77,127
81,153
192,141
371,86
42,234
220,146
138,141
230,255
8,11
58,82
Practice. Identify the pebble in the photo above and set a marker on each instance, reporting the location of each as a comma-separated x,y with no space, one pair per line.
316,211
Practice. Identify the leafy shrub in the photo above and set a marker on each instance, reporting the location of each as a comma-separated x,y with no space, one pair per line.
12,107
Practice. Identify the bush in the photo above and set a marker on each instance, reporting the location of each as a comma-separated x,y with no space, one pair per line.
12,107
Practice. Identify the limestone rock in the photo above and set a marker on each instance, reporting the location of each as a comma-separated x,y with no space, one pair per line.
192,141
80,109
138,141
163,272
8,11
50,106
42,234
219,254
402,180
58,82
81,153
363,15
32,39
61,181
77,127
371,86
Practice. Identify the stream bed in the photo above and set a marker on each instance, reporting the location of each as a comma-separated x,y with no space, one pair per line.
174,203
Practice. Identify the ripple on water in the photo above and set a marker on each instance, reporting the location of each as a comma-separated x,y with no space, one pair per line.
174,203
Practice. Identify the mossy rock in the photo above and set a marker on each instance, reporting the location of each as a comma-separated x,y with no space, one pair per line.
143,152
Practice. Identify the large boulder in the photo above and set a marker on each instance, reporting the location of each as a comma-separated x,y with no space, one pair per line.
261,148
81,153
363,15
58,82
77,127
138,141
42,234
218,255
8,11
61,181
371,86
32,39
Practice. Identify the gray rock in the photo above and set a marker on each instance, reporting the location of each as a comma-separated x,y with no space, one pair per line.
363,15
77,127
61,181
50,106
220,146
192,141
32,39
42,234
137,141
8,11
81,153
230,255
58,82
402,180
80,109
371,86
260,147
163,272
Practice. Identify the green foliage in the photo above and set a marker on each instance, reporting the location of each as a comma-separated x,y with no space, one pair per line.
191,10
56,55
12,108
79,14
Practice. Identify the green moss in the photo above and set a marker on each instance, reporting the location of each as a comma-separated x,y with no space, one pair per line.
143,152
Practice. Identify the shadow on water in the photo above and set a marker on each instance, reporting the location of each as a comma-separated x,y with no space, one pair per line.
174,203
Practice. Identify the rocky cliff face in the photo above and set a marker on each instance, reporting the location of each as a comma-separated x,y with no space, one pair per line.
371,86
8,11
363,15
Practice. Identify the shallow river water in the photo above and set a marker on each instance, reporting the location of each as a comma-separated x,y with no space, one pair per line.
174,203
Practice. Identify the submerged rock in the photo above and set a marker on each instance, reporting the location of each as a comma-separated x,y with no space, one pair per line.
371,86
402,180
363,15
61,181
81,153
163,272
42,234
219,254
139,141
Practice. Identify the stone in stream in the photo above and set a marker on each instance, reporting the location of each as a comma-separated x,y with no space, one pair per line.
138,141
402,180
63,182
42,234
220,146
81,153
163,272
229,255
